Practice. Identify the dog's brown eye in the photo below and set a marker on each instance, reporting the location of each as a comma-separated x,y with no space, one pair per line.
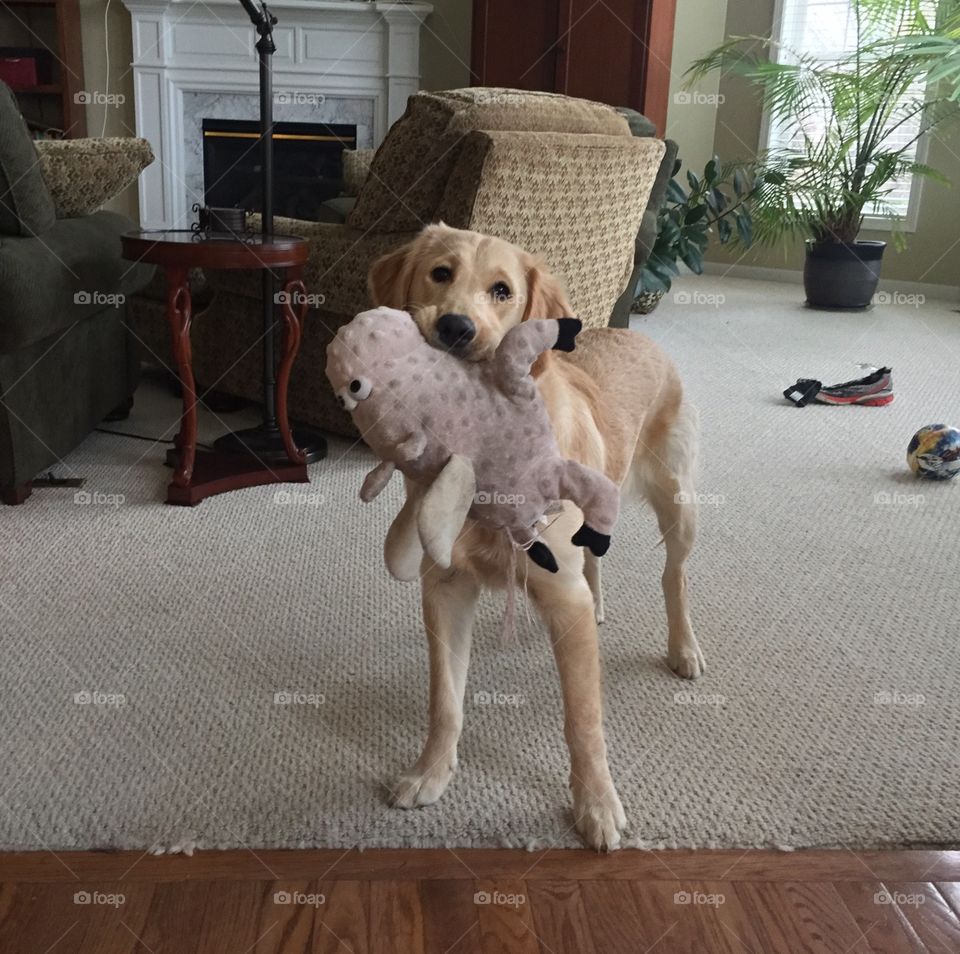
441,274
500,291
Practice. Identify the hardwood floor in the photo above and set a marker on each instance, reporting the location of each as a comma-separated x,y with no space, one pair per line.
479,901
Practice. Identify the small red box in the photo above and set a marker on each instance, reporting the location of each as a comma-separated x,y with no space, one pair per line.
19,72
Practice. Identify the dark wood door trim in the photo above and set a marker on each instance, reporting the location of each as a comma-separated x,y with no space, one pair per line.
656,100
652,31
478,43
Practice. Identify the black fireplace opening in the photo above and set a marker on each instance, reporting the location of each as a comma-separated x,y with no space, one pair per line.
307,165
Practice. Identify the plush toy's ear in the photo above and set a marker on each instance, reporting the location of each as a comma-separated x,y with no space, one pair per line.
388,280
546,296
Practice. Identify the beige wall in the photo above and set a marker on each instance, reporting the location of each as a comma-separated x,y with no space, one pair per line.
933,253
692,114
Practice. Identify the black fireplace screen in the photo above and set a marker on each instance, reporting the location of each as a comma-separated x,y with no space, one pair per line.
307,165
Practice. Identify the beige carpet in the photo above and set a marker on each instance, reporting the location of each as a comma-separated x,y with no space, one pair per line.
823,588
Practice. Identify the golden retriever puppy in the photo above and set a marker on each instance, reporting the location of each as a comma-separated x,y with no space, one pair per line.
616,404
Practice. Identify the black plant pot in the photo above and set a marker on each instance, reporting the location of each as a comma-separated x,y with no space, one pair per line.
842,274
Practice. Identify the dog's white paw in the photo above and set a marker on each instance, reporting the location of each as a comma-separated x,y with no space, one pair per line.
416,788
687,661
600,819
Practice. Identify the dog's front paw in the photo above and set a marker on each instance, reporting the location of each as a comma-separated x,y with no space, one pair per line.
416,787
600,819
687,661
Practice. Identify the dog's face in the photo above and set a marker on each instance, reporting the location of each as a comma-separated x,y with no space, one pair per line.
464,290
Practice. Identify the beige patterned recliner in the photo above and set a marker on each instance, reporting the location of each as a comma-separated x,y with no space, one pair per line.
561,177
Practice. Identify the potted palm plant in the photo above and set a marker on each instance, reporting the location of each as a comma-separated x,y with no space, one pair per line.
852,125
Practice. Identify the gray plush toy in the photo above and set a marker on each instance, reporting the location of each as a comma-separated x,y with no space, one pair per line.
476,434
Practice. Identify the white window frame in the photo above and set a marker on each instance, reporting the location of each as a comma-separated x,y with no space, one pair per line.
876,223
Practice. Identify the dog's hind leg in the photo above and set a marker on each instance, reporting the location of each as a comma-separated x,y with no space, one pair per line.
664,475
449,605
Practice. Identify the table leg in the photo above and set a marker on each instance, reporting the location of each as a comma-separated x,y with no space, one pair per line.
294,310
179,314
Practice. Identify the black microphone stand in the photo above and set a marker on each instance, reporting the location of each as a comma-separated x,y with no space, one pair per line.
264,441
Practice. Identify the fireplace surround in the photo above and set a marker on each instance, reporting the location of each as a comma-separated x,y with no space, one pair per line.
338,62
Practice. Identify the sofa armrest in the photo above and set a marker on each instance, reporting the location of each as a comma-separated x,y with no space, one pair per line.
71,273
574,200
356,168
83,174
647,235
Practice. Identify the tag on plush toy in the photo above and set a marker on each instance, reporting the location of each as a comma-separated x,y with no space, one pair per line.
417,407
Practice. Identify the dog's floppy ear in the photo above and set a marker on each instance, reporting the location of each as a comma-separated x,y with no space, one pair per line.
388,280
546,296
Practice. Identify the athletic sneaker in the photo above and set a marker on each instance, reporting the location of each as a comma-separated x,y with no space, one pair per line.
875,390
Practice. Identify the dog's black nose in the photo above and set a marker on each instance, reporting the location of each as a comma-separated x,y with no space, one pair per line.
455,331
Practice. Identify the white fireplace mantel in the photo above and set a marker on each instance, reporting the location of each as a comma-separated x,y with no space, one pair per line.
336,61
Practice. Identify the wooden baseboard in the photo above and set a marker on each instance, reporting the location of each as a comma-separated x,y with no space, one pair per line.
473,863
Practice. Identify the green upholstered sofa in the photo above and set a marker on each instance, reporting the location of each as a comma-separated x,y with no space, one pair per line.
66,358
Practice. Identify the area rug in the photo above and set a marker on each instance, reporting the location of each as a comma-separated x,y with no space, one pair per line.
245,673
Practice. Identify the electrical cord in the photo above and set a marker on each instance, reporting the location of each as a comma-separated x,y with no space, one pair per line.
144,437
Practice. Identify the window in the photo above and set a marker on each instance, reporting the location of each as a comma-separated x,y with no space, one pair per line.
827,29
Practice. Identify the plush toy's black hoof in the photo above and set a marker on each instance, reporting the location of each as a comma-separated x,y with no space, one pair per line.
598,543
541,554
567,336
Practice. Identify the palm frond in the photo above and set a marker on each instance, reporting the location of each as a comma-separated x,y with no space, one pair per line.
847,118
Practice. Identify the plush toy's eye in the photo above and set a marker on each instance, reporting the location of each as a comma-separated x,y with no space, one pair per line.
441,274
360,389
500,291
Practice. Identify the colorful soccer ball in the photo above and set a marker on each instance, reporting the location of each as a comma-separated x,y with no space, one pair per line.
934,452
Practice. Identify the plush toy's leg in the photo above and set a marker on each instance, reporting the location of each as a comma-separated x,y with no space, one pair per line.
376,480
597,543
599,499
444,509
541,554
449,605
402,551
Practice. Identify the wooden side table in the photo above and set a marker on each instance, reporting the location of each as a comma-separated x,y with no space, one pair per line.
197,473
